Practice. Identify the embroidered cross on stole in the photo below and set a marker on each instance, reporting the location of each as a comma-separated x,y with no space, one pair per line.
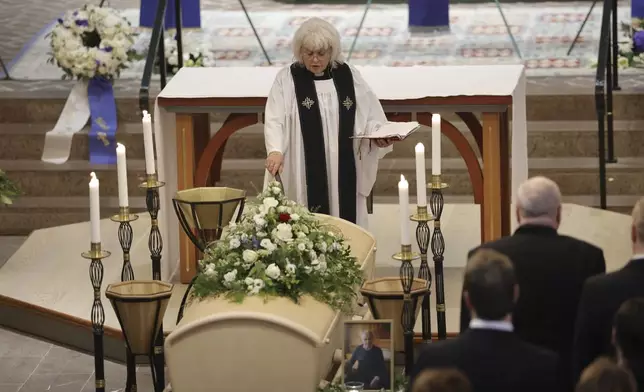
313,139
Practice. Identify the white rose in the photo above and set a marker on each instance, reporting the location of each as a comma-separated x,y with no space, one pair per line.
234,243
276,190
258,284
301,247
273,271
322,266
290,268
259,220
249,281
249,256
281,209
300,234
173,60
270,202
261,234
295,217
268,245
284,232
230,276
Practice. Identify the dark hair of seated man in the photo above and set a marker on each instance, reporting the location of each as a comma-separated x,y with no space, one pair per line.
490,285
628,336
604,375
441,380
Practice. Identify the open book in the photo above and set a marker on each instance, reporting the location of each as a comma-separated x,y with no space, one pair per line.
396,130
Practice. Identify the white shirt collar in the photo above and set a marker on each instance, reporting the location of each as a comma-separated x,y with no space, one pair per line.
637,256
490,324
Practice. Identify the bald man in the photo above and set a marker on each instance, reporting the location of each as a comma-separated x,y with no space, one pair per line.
603,295
551,270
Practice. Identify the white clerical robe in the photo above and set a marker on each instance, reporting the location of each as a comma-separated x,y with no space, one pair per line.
282,133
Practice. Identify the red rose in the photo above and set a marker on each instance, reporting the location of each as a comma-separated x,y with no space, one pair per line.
284,217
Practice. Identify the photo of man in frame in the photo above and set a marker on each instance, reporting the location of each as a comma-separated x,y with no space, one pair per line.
368,349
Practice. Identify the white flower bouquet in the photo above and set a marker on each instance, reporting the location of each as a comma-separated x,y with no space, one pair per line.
92,42
192,56
280,248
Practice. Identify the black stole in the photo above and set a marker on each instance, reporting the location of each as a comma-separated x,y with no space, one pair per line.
313,139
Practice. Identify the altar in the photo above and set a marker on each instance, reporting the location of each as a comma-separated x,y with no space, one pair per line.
485,98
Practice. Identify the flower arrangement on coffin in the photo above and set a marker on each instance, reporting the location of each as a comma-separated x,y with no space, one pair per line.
279,248
631,46
8,190
93,45
193,56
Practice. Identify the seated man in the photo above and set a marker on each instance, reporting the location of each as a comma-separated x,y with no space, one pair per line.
628,333
602,297
551,269
367,365
489,353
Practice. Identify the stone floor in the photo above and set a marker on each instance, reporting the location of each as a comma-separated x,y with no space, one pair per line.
32,365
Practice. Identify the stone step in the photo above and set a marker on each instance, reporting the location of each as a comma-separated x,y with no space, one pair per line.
575,176
31,213
546,139
25,108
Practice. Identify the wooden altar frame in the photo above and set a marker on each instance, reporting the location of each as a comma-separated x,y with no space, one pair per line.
199,157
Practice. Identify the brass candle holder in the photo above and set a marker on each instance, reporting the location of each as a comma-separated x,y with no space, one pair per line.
422,217
125,234
151,184
96,255
436,203
408,316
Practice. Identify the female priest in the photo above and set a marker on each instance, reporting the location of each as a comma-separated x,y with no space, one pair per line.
315,107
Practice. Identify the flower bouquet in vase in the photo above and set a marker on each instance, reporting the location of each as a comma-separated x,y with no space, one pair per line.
91,44
631,44
193,55
281,281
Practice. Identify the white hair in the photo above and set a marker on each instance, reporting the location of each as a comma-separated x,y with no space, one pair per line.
539,198
318,34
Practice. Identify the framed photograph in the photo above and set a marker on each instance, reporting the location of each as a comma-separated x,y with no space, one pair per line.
368,355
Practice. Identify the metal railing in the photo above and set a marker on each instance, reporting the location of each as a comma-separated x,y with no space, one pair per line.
606,81
156,52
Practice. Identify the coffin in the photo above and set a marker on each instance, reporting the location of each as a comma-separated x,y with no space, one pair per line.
261,346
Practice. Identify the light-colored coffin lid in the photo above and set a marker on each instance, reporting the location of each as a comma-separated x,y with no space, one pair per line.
311,319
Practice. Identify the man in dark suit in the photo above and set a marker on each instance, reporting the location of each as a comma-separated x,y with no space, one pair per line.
603,295
491,356
628,332
551,269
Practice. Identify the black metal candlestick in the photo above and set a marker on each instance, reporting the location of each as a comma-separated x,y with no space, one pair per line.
125,234
437,203
408,316
155,244
96,255
422,217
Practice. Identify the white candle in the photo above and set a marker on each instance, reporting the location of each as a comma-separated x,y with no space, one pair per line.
436,144
421,186
94,209
121,169
148,141
403,195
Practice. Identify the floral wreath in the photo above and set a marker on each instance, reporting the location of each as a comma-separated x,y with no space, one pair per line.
92,42
280,249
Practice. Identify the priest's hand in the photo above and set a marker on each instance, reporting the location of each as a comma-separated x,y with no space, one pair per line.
386,142
275,162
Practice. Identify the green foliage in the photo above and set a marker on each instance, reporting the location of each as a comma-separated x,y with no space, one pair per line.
8,190
280,249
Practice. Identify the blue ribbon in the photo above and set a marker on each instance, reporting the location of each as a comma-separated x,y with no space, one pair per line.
102,134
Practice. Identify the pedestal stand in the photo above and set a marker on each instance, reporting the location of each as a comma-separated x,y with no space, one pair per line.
96,255
408,319
437,203
125,234
422,217
155,244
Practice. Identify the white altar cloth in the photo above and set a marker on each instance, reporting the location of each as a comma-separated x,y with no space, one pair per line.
388,83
